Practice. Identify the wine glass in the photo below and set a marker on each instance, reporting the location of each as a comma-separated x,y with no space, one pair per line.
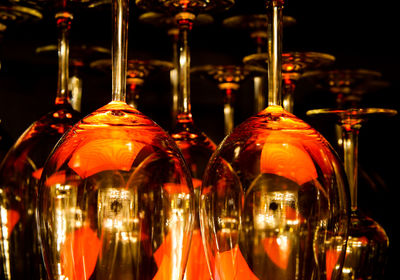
229,78
115,196
19,171
137,72
367,245
294,64
274,199
347,86
167,21
80,56
256,26
196,147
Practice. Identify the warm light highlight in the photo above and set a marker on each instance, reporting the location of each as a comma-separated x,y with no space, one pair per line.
104,154
278,250
79,254
231,265
281,156
332,257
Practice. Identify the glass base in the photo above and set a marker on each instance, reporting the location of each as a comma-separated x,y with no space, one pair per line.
293,62
191,6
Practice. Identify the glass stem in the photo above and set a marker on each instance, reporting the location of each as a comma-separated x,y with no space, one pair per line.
228,110
63,20
350,150
288,94
119,49
259,100
275,52
174,33
184,113
133,92
259,82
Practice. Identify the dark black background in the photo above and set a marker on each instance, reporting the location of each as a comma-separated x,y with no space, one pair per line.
361,34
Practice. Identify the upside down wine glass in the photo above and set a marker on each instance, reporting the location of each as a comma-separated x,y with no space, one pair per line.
116,199
196,147
274,201
347,86
229,78
367,245
21,169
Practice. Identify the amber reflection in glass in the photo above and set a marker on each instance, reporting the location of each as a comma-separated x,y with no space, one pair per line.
19,175
196,149
274,202
115,200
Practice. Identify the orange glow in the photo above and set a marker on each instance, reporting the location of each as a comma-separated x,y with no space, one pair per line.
282,156
159,254
332,257
278,250
79,254
288,67
163,259
164,269
173,188
196,183
12,219
132,87
104,154
232,265
184,3
196,268
364,240
56,178
37,173
293,215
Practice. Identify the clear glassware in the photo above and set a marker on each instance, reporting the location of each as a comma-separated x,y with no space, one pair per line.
368,244
21,167
348,87
256,26
196,147
229,79
168,22
294,64
137,72
115,196
274,199
10,15
80,56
